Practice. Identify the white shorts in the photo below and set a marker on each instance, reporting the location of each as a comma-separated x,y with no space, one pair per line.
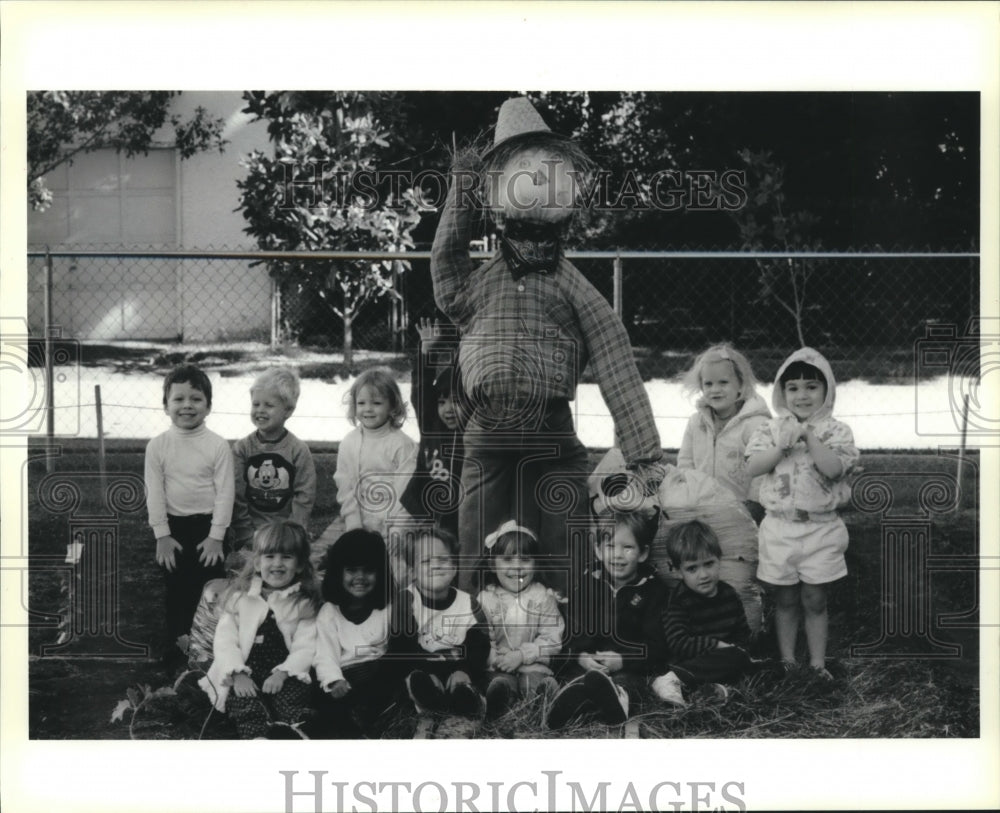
793,552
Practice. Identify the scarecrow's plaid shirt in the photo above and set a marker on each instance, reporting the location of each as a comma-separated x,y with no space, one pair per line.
534,335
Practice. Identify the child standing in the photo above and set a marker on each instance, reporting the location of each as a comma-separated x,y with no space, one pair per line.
434,491
275,475
375,459
806,455
439,632
704,623
265,642
189,496
715,440
526,628
616,635
353,634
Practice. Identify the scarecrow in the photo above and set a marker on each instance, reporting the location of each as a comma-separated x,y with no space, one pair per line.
529,323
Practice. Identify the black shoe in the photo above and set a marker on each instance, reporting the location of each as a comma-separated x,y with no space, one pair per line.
570,702
611,700
466,701
498,698
426,692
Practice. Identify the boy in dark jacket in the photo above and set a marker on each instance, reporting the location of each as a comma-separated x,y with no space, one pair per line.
704,622
616,635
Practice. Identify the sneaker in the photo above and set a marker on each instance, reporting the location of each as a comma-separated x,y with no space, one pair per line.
426,692
711,694
570,702
669,689
610,698
821,673
467,701
498,698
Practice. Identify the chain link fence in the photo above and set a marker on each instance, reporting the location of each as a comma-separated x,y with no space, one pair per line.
223,309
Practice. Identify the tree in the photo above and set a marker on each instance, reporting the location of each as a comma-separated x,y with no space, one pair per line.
321,191
764,224
64,124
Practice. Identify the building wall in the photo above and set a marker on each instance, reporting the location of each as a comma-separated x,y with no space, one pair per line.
157,201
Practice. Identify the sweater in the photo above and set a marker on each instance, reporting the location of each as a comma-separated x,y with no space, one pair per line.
720,454
528,621
274,479
373,468
693,623
341,643
451,629
626,620
234,637
188,472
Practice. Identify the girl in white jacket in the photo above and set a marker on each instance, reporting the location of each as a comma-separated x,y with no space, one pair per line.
265,642
715,441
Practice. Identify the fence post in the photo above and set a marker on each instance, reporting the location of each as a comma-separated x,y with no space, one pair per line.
275,309
50,399
617,295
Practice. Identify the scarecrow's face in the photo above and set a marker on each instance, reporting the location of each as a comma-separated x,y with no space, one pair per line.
536,184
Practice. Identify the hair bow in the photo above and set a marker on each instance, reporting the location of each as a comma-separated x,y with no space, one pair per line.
509,527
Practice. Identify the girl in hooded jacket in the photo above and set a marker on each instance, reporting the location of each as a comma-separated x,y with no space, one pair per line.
806,457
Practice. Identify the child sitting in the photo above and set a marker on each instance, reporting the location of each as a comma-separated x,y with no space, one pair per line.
353,635
616,634
806,456
526,628
275,475
267,635
375,459
439,632
189,496
703,622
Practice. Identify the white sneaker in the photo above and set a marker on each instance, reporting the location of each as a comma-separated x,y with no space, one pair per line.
669,689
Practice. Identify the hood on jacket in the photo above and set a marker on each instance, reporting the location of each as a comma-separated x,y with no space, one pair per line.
753,405
815,358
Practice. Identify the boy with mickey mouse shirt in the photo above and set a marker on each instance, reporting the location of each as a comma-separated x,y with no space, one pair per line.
274,470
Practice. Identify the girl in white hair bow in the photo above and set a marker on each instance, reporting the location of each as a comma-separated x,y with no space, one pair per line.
526,627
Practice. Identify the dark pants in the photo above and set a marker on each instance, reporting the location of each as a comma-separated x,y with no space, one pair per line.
185,583
375,686
536,475
719,665
253,715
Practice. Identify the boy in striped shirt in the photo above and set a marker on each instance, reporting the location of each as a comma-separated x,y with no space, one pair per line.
704,623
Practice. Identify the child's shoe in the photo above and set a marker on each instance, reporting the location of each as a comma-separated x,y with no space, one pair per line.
611,700
570,702
669,689
284,731
498,698
426,692
712,694
467,701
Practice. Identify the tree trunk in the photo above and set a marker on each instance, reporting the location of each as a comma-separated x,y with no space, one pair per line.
348,338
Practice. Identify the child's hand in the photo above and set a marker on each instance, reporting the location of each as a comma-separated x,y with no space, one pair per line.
789,432
612,661
428,329
243,686
338,689
166,548
589,662
211,551
510,660
274,682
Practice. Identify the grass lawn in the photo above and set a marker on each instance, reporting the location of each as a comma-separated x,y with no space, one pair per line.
903,687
